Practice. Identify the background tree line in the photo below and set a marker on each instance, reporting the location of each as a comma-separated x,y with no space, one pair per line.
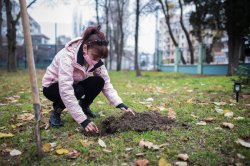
215,15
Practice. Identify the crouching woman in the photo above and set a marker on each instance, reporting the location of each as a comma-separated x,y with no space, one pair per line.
76,76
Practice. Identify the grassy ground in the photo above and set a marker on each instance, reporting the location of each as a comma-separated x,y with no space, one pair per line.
193,98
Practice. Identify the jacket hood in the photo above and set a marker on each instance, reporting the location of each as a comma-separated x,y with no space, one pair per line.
74,44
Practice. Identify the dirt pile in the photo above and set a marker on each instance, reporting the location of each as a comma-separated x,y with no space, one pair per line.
150,120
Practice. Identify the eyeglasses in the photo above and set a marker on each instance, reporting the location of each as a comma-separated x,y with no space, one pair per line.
98,42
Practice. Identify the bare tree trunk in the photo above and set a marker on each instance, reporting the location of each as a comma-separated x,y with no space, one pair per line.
97,12
107,3
1,21
167,19
11,36
190,46
137,69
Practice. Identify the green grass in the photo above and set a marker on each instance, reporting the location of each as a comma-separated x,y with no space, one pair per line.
205,145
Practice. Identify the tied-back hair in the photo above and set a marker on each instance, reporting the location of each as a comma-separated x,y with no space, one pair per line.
93,34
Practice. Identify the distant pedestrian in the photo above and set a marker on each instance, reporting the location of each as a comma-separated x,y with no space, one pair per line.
76,76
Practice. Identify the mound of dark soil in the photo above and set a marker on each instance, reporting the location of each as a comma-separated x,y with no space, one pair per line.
150,120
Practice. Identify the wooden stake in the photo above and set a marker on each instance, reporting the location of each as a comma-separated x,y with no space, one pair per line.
32,74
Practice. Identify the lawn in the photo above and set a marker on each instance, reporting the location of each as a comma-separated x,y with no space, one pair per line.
201,103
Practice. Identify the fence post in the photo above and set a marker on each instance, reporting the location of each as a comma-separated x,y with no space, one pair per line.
201,58
159,59
177,59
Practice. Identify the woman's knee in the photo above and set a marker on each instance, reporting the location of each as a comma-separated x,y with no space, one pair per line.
99,81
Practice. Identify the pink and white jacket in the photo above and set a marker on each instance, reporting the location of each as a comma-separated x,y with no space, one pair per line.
66,70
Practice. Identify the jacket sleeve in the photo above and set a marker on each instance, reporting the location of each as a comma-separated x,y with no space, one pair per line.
108,89
65,81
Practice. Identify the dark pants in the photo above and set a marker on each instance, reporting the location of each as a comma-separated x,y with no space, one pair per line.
90,87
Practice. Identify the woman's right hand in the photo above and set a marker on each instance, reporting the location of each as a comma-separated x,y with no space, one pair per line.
92,128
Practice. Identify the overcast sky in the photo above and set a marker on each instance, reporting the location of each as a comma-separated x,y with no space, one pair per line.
63,16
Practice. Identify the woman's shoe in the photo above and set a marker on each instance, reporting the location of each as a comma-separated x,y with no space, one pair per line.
55,118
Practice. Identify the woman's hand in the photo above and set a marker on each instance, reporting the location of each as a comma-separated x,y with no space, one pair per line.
128,110
91,127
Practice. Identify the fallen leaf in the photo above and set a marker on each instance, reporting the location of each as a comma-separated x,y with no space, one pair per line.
73,154
107,151
6,135
228,125
85,142
100,102
163,162
150,99
163,145
194,116
190,101
2,128
62,151
181,163
128,149
101,143
101,114
161,108
183,156
26,116
46,147
229,114
145,144
243,143
140,154
171,114
209,119
219,110
201,123
239,118
15,152
240,156
220,103
143,162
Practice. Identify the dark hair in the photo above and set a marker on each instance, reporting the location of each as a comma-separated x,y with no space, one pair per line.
92,37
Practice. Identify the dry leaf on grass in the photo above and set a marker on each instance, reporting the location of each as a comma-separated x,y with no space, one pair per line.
229,114
181,163
171,114
183,156
145,144
209,119
62,151
243,143
140,154
101,143
46,147
201,123
85,142
106,151
128,149
228,125
100,102
15,152
26,116
143,162
163,162
73,154
6,135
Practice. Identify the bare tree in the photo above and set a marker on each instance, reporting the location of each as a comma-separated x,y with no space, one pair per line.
137,14
11,34
97,11
1,22
165,10
190,46
117,13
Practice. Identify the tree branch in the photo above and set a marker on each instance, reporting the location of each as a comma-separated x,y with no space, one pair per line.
19,14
